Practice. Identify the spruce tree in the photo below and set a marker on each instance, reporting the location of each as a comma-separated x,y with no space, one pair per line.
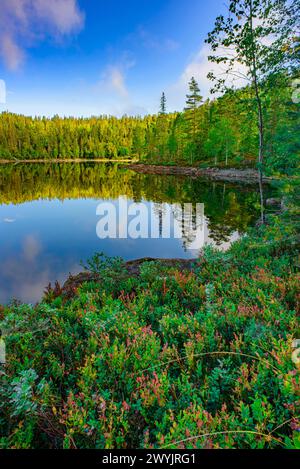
193,101
163,104
162,128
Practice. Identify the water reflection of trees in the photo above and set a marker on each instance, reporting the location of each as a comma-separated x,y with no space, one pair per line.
228,207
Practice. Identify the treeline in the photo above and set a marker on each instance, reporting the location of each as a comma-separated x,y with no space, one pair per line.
220,131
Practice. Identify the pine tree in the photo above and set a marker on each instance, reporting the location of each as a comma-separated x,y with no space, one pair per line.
163,104
193,101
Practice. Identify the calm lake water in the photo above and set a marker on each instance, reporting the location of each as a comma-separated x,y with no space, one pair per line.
48,219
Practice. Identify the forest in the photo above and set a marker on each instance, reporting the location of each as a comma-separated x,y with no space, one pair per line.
219,131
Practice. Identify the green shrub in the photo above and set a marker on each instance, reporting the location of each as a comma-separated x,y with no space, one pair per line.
171,358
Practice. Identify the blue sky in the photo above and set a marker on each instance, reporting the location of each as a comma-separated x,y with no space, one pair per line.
91,57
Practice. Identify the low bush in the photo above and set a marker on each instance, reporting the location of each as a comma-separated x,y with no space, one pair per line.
169,359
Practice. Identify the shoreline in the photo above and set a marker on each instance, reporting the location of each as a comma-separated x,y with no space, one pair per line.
65,160
230,174
247,176
132,268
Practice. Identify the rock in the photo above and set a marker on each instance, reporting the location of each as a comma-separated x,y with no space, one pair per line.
132,269
273,201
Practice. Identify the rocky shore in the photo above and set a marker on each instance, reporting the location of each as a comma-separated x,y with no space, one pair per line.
231,174
131,269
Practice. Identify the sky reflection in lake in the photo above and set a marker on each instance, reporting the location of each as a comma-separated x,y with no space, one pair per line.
48,221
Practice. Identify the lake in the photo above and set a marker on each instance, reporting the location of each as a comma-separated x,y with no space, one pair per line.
50,217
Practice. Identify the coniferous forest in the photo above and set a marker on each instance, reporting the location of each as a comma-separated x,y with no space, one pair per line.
217,132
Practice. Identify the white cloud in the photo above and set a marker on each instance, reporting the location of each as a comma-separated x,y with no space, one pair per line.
198,67
31,248
11,52
113,94
114,80
152,42
24,22
63,16
2,92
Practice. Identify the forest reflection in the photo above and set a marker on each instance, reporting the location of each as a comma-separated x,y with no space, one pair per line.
48,219
228,206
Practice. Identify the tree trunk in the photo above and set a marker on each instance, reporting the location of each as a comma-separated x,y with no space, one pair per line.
260,151
261,193
260,120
